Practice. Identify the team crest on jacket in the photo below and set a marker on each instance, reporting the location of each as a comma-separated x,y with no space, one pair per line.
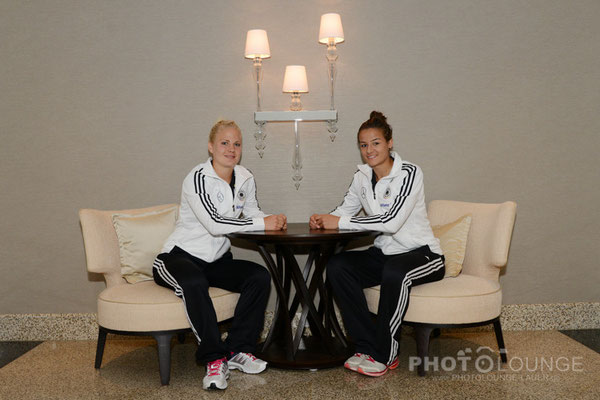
363,193
387,193
241,195
220,197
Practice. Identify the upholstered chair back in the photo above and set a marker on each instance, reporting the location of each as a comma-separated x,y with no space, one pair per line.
489,236
101,243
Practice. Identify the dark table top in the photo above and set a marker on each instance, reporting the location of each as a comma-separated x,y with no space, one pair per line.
300,233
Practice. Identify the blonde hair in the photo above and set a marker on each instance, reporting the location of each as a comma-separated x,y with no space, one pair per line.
222,124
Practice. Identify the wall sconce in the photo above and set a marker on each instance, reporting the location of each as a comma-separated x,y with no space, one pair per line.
331,33
295,82
257,48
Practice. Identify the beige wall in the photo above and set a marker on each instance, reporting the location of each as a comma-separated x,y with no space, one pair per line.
107,104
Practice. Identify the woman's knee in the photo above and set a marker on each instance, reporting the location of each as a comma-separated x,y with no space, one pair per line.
264,278
392,272
260,277
337,266
194,282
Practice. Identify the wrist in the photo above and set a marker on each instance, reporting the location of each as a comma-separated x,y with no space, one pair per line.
343,222
259,222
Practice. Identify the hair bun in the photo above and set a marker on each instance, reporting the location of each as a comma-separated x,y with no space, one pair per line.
378,116
379,121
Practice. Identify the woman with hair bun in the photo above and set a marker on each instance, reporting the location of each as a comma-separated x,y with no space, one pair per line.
219,197
406,254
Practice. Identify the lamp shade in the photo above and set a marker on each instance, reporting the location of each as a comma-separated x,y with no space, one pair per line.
257,44
331,28
294,79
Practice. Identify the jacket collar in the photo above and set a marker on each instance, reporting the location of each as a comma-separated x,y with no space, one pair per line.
396,167
241,173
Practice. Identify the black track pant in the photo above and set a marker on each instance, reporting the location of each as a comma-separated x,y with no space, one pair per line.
351,271
190,278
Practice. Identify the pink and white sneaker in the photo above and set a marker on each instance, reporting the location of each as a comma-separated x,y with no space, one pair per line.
370,367
217,373
394,364
353,362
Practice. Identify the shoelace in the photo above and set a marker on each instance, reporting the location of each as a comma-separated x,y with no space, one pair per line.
369,358
249,355
215,367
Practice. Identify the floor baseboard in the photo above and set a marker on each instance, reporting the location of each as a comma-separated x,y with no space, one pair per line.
515,317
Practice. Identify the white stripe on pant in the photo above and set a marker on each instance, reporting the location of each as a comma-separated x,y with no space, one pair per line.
351,272
396,319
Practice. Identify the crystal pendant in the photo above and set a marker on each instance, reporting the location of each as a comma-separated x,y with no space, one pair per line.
332,128
297,160
260,136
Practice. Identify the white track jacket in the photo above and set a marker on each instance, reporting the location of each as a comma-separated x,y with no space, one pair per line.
209,210
396,208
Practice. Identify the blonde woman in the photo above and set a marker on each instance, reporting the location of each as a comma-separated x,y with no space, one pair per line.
219,197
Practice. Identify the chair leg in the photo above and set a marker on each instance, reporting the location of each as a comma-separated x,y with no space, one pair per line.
500,339
422,333
100,347
163,341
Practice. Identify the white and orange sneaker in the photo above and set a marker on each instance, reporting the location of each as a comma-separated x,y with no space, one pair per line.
370,367
353,362
217,373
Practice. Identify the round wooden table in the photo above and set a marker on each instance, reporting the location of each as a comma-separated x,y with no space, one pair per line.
327,347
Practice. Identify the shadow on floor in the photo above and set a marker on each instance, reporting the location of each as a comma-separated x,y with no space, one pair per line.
587,337
10,351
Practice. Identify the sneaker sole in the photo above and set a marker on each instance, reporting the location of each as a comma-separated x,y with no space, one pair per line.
241,368
361,371
394,364
213,386
350,367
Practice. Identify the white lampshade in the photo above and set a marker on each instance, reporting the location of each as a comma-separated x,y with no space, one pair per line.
294,79
331,27
257,44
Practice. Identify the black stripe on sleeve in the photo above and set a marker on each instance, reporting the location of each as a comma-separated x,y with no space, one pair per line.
407,184
211,209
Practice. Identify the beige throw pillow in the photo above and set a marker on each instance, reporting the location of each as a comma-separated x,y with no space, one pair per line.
453,239
141,238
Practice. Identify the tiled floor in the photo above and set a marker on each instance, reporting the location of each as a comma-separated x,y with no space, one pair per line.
542,365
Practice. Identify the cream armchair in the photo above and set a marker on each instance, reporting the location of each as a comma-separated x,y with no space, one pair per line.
142,308
474,297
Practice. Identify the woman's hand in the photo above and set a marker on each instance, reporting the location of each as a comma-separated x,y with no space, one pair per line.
315,222
323,221
276,222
